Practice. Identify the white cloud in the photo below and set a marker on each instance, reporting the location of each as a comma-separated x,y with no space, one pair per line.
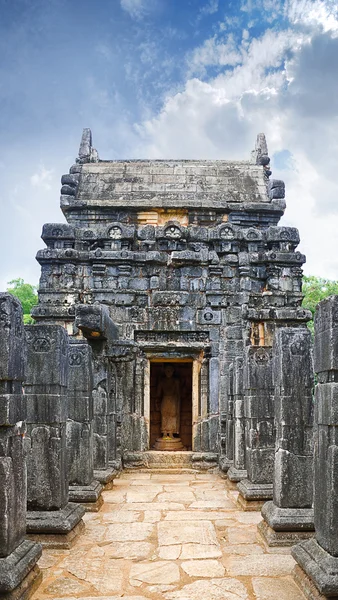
214,53
136,8
209,8
285,84
42,178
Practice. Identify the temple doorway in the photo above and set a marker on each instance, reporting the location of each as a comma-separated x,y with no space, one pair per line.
182,381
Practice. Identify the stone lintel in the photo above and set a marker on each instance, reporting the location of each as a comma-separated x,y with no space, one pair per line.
319,565
272,538
17,566
57,522
288,519
237,475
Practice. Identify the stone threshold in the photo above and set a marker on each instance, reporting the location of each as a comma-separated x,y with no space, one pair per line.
161,460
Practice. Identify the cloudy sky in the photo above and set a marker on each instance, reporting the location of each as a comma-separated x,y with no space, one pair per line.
167,79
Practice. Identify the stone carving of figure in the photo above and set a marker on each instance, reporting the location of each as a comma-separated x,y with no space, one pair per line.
169,392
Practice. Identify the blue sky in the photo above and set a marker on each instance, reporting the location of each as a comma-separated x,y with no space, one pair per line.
173,79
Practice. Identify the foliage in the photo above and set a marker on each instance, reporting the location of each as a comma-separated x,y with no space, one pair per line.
26,293
316,289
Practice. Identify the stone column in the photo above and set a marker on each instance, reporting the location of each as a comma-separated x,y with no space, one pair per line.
50,518
19,573
289,518
97,326
260,429
83,487
238,471
318,557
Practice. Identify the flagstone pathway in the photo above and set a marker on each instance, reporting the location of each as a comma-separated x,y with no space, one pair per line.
171,537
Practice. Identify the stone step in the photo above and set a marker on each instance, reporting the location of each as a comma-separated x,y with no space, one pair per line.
177,462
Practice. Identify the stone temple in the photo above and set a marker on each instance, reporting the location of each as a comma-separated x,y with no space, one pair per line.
186,258
169,333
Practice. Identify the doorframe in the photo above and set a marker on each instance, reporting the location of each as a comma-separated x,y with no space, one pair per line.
196,361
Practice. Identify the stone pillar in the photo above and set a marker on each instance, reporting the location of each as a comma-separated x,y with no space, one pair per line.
260,429
318,557
289,518
83,488
50,518
227,424
97,326
238,471
19,573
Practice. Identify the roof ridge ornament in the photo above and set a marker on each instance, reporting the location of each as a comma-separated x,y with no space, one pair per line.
260,156
87,154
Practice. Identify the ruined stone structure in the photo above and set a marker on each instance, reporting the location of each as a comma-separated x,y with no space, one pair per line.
19,572
161,264
187,259
318,557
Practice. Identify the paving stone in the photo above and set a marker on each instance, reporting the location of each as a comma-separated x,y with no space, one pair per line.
197,532
200,551
267,565
165,506
243,549
129,550
185,497
267,588
142,496
154,572
213,504
152,516
203,568
64,586
130,533
121,516
214,589
236,535
198,515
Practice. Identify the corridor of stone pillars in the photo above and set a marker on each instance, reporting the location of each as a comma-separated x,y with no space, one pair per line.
172,536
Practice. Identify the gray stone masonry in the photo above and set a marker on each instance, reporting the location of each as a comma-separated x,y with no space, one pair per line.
18,557
259,424
290,516
238,471
318,557
169,260
96,325
46,379
83,487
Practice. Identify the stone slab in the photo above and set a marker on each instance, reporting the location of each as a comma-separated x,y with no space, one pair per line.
197,532
58,540
237,475
54,521
274,538
26,588
307,586
288,519
269,588
215,589
255,491
320,566
154,572
265,565
15,567
105,476
85,493
203,568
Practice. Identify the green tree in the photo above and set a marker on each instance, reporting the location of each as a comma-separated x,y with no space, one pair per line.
27,295
316,289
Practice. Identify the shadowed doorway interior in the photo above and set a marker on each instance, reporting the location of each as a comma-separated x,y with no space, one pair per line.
183,375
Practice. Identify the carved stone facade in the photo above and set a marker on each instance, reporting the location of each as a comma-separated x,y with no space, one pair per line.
190,264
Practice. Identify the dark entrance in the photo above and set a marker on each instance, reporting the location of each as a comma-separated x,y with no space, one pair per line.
183,374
